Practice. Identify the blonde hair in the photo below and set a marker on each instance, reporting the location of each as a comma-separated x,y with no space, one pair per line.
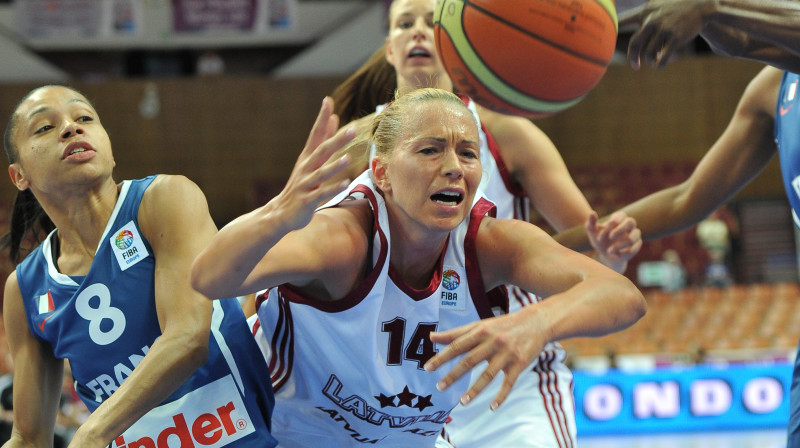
388,125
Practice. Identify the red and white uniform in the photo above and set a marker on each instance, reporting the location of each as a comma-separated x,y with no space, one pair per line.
540,410
349,372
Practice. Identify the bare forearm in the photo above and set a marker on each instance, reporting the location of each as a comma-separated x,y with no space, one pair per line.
222,269
168,363
760,21
17,441
594,307
657,215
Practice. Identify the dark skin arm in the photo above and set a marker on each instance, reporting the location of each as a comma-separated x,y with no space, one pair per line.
738,156
37,376
760,30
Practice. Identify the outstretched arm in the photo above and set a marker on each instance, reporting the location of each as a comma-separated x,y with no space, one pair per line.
37,376
280,242
584,298
740,154
762,30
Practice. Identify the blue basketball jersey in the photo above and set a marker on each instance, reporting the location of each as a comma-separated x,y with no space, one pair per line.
787,136
104,323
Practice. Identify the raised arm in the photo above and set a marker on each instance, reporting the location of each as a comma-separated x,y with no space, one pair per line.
761,30
584,298
37,376
246,256
740,154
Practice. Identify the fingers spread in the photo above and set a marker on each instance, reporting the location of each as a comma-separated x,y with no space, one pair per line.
456,346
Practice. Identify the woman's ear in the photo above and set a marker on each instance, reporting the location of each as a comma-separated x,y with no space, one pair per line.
18,177
380,174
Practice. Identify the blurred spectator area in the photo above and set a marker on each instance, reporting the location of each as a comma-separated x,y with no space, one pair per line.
742,323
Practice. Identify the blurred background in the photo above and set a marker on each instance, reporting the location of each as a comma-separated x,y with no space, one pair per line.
225,92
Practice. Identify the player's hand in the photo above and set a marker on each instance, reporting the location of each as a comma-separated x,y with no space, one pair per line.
314,176
664,26
510,343
615,240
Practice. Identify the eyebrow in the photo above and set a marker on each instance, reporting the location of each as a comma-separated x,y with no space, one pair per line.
46,108
444,140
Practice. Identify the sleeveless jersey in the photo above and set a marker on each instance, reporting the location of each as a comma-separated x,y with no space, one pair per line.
787,136
539,411
104,323
349,372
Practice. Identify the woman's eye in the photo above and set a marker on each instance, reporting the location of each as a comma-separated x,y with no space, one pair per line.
44,128
85,118
429,150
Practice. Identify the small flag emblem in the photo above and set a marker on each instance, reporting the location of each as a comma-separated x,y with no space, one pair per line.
46,303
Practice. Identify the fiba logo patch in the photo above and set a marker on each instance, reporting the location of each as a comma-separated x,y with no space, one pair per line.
451,295
124,239
450,280
128,246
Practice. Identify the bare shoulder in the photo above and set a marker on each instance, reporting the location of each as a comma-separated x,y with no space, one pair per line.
176,201
169,187
12,286
13,308
351,218
761,94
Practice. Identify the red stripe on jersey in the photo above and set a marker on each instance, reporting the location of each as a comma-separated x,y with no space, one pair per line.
476,288
282,346
555,397
546,379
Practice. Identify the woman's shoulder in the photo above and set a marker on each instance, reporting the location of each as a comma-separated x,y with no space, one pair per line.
351,215
168,189
172,198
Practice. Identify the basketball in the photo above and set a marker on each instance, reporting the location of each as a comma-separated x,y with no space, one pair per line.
530,58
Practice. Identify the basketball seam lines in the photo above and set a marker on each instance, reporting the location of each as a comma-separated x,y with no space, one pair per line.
537,37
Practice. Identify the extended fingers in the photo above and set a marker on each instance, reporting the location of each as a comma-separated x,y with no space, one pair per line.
454,348
472,359
314,159
509,366
320,129
592,221
620,226
511,374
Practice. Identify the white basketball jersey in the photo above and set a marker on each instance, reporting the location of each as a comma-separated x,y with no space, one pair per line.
349,372
539,411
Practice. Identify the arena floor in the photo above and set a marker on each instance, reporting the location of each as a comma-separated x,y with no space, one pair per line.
729,439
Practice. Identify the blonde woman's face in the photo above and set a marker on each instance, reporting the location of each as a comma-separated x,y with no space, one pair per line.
431,176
